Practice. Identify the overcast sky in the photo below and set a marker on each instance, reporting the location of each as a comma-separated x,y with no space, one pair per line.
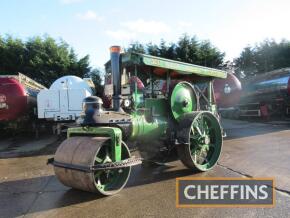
92,26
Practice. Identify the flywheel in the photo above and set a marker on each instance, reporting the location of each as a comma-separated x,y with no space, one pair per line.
183,99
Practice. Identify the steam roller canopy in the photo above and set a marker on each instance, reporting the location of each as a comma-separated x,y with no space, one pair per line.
183,99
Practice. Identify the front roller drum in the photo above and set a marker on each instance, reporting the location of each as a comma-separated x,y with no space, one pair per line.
87,152
201,140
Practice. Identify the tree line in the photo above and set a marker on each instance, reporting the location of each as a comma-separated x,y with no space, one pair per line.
263,57
44,59
186,49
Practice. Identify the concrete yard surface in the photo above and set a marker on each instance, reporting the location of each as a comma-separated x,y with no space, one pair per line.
28,187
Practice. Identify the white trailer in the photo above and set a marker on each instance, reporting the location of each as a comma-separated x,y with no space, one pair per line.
63,100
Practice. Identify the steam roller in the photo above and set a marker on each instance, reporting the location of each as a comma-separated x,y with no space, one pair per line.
182,120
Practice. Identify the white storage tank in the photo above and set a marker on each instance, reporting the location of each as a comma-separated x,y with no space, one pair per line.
63,100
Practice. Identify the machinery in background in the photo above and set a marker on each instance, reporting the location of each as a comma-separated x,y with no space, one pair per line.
62,102
227,93
95,156
18,106
266,95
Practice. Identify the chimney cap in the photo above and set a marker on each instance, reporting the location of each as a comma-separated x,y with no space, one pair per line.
115,49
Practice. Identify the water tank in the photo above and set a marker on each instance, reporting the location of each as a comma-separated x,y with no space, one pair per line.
13,99
18,97
70,82
227,91
63,100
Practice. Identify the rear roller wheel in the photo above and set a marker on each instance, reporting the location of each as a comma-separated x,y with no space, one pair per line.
88,151
204,141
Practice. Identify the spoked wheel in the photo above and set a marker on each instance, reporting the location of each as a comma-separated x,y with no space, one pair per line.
111,181
204,141
88,151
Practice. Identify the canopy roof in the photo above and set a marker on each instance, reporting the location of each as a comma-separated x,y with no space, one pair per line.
160,66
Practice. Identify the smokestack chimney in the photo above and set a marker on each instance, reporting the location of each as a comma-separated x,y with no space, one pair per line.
116,76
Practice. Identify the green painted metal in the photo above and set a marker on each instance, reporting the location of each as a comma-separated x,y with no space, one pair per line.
142,128
179,67
209,92
157,106
205,141
183,99
196,134
115,135
108,181
151,121
211,105
138,99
